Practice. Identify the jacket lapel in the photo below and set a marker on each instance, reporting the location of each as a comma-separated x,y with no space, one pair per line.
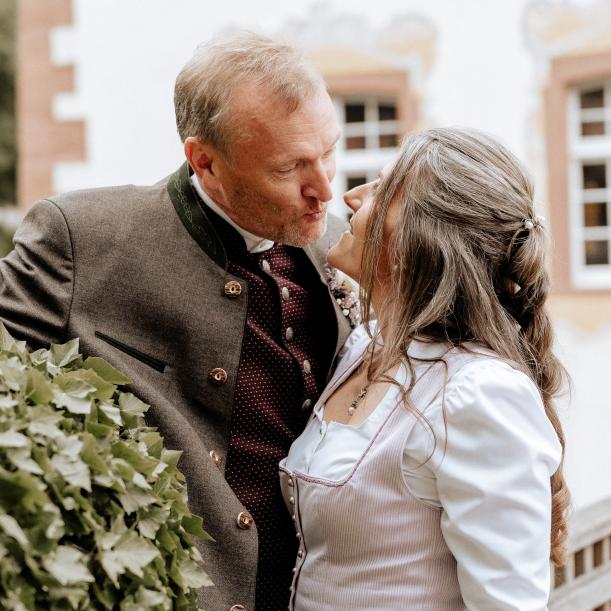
188,207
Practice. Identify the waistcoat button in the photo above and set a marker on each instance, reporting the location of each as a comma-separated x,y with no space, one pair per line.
289,333
218,376
285,293
233,289
244,520
307,367
266,266
217,459
306,404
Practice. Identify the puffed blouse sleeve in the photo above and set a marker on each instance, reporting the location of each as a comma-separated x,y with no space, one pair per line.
494,486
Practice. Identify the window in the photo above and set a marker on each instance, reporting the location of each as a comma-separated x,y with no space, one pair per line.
371,133
369,123
590,185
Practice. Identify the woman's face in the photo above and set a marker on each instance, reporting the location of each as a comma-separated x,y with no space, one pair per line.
346,255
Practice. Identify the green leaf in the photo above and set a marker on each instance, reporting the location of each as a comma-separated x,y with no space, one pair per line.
112,412
21,487
75,472
90,455
134,457
85,383
68,565
64,354
9,344
132,408
105,370
131,552
13,439
187,574
73,404
12,374
44,421
22,459
150,520
11,527
99,430
193,525
135,499
38,389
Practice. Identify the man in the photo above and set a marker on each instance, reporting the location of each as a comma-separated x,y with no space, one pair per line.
208,290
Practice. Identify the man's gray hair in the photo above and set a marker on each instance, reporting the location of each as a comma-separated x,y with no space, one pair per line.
205,87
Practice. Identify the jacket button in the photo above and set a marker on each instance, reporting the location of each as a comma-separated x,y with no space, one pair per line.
218,376
217,459
244,520
233,289
238,608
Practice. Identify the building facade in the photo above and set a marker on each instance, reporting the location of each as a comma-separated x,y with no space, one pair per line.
95,108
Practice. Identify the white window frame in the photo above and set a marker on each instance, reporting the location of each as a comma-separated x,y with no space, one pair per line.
589,150
368,161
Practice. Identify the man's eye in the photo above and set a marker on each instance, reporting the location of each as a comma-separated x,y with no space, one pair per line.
287,170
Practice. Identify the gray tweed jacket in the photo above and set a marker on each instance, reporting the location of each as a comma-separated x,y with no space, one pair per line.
138,274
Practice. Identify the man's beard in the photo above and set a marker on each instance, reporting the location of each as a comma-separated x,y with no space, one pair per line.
247,203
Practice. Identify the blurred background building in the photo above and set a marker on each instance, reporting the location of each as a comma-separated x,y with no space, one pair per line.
94,107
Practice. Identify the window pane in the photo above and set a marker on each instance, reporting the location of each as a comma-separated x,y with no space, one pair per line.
387,112
355,113
595,98
594,177
355,142
597,554
595,215
593,129
389,141
579,563
597,253
355,181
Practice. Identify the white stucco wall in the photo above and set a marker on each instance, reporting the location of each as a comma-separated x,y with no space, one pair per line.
128,52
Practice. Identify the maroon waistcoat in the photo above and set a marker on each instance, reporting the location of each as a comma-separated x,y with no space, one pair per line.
287,349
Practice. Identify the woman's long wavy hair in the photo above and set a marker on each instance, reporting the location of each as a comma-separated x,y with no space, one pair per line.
461,265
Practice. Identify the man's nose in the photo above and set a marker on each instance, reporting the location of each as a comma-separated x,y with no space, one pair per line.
319,185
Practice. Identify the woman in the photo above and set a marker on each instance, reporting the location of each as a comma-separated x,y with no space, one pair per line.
429,475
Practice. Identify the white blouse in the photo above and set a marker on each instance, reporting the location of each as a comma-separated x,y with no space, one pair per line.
491,478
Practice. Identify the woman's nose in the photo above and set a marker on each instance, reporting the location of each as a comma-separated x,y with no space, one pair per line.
353,199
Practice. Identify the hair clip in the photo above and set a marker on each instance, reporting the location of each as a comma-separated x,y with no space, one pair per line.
532,223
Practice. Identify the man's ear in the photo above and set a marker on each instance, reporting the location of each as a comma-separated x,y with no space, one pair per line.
204,161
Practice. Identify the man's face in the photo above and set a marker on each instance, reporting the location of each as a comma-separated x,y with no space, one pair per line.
277,182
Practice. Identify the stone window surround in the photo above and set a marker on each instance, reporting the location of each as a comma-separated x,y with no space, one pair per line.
394,83
566,73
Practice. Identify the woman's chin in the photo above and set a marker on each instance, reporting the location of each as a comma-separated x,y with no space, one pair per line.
341,261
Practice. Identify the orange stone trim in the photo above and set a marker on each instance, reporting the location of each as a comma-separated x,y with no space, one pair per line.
395,84
565,73
42,140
